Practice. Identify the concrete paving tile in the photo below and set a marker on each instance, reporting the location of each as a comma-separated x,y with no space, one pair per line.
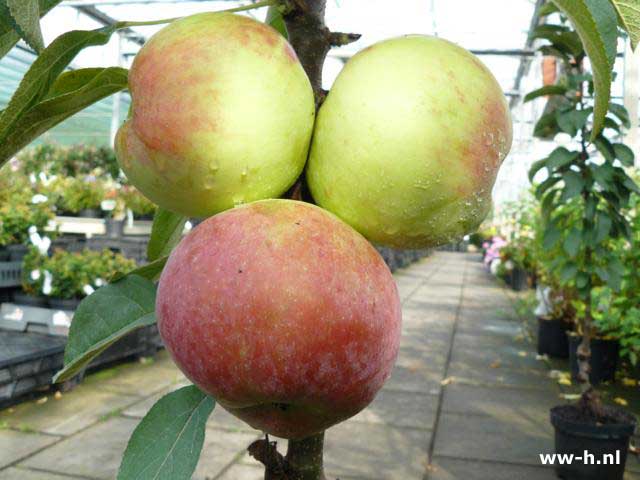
95,452
24,474
491,327
456,469
74,411
507,355
416,376
475,437
15,446
401,409
220,418
497,375
241,471
376,452
220,450
137,379
503,403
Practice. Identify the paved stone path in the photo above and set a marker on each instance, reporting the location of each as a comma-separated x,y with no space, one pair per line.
467,400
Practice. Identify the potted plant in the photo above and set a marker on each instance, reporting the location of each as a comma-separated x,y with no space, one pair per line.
592,177
79,196
33,276
76,275
605,344
20,211
140,207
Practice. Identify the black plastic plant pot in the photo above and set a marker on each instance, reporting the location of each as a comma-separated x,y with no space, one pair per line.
89,213
22,298
70,304
114,228
604,358
552,338
519,280
599,449
17,252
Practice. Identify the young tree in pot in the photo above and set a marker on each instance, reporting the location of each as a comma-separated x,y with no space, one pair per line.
593,177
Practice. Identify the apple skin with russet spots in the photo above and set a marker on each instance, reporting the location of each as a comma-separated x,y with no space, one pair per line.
222,114
287,316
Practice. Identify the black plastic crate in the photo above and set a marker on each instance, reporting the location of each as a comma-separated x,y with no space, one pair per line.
28,361
10,274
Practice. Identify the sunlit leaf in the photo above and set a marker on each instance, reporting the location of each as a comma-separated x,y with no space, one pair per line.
166,445
104,317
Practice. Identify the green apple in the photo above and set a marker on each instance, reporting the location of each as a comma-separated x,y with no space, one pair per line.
408,143
222,114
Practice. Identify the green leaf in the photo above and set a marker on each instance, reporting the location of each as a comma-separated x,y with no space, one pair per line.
166,232
548,203
620,112
8,35
582,279
150,271
624,154
536,167
546,126
546,185
603,174
597,24
590,207
547,9
571,121
568,272
561,38
546,90
603,226
573,185
167,443
571,243
43,72
551,236
25,16
629,14
611,123
275,20
105,316
605,148
561,157
53,110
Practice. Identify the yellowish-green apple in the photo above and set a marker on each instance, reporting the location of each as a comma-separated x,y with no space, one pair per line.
222,114
408,143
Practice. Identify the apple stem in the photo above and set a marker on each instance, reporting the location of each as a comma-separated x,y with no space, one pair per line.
304,458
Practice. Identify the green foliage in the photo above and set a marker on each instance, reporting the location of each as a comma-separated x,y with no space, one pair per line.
72,161
9,35
24,16
596,23
629,18
20,209
73,275
104,317
32,109
166,445
74,194
33,272
140,205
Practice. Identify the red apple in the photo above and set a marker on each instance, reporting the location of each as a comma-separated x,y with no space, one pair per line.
284,314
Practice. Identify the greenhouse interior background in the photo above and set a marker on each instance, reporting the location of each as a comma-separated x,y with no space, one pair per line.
470,395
